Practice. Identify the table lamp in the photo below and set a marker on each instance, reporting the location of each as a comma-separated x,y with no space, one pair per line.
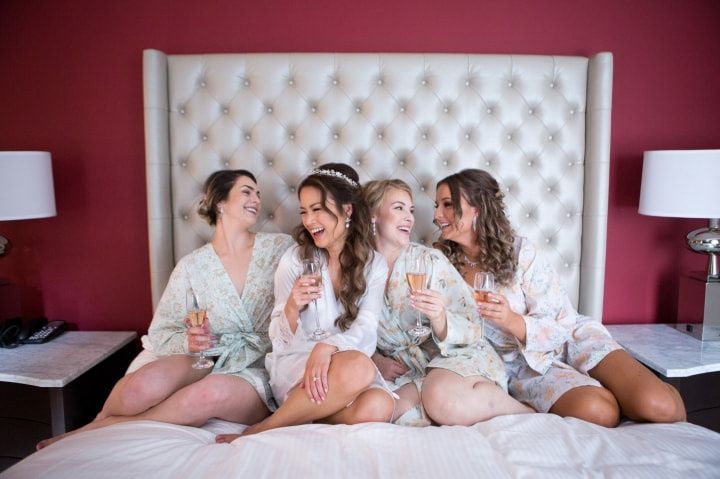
685,184
26,188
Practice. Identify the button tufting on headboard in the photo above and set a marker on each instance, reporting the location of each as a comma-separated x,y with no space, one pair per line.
540,124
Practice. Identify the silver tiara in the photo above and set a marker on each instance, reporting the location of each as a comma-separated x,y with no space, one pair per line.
336,174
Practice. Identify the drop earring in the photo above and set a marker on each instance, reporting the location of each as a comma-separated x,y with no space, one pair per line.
474,224
374,228
347,222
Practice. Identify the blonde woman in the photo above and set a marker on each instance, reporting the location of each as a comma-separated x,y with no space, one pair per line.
448,373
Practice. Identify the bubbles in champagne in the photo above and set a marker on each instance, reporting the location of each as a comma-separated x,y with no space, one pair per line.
197,318
416,281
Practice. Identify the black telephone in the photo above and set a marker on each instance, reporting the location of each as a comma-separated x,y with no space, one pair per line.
35,331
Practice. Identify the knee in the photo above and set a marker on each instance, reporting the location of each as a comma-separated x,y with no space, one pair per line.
354,372
662,405
600,409
142,387
442,412
443,403
207,393
376,407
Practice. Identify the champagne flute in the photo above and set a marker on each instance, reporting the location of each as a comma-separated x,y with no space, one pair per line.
197,316
483,285
416,275
312,270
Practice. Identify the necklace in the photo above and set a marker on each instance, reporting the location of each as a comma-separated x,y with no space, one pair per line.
469,262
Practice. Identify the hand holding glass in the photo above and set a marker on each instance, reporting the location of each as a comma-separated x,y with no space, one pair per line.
483,285
312,270
198,317
416,274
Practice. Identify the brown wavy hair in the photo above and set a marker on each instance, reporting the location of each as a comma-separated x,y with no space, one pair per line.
358,249
493,232
374,192
216,189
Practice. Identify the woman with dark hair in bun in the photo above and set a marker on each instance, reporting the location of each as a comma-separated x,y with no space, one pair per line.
232,279
328,378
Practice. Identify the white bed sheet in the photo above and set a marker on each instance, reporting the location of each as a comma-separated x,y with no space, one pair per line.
523,446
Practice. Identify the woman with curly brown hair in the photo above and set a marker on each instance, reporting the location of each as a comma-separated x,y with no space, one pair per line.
558,360
330,379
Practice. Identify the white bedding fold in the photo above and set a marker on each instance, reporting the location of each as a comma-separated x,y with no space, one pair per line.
537,445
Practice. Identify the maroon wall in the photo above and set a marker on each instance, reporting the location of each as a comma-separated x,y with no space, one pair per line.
71,83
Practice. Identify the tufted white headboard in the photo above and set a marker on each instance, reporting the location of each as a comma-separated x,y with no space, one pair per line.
540,124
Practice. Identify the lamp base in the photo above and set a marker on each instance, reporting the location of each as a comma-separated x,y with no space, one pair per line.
4,246
709,329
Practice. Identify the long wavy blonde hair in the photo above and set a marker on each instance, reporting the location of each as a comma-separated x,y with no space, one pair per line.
493,232
358,249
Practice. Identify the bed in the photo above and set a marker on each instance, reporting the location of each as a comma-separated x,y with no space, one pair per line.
541,124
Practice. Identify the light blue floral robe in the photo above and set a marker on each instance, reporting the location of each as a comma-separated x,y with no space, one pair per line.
561,345
242,319
463,350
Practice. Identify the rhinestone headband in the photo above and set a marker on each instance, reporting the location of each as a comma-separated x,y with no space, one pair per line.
335,174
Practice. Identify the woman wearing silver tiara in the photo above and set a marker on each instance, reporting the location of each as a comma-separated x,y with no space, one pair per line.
331,379
460,379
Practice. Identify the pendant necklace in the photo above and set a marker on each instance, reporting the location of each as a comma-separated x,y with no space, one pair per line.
472,264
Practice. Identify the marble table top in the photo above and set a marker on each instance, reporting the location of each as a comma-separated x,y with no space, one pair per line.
666,350
62,359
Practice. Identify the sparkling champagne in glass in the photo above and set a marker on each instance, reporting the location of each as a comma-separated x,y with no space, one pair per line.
483,285
197,315
416,275
312,270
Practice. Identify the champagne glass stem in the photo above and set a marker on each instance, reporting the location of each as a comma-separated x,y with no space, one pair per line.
317,316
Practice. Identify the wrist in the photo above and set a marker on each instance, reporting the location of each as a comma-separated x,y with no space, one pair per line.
329,349
518,327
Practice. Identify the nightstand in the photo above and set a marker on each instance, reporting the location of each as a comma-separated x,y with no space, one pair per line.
692,366
47,389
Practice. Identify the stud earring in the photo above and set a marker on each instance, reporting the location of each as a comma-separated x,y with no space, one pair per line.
347,222
374,228
222,211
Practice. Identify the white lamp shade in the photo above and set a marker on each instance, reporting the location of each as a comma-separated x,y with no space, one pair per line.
26,185
681,184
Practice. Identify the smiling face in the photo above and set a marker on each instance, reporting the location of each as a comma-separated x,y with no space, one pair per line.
459,231
327,229
242,204
394,220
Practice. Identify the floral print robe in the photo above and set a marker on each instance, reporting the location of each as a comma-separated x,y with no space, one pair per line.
241,318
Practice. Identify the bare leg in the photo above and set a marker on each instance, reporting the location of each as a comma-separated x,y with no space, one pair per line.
409,398
150,385
450,399
222,396
589,403
372,405
642,395
350,373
